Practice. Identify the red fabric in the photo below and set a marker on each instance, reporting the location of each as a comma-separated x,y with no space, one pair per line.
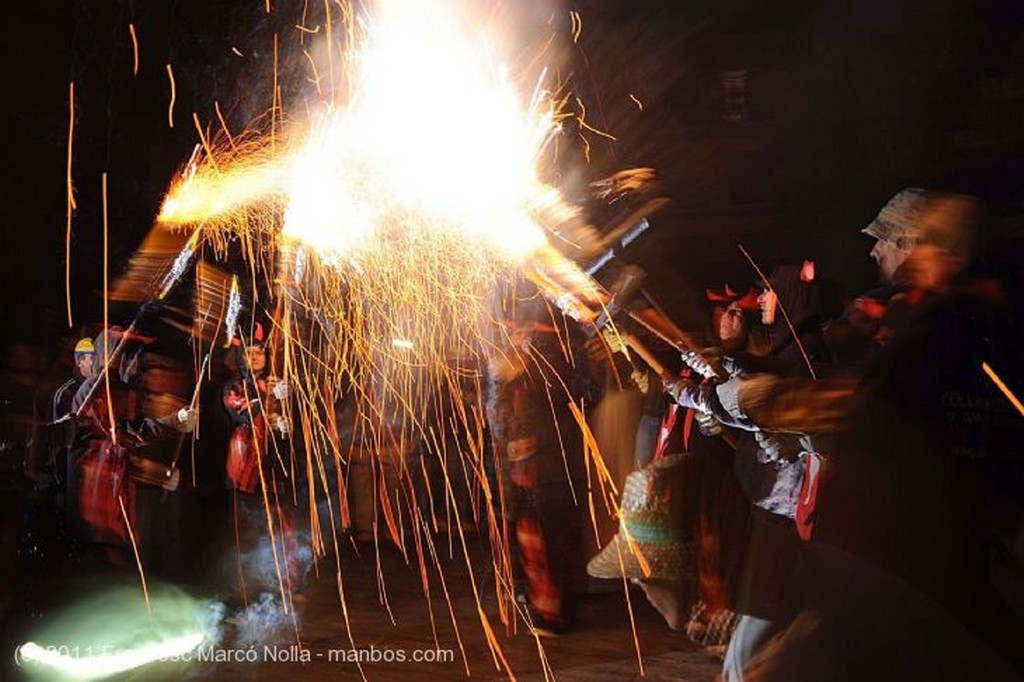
806,504
244,456
545,595
104,476
104,479
248,441
723,297
688,428
668,423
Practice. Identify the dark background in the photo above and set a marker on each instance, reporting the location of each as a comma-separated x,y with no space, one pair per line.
780,125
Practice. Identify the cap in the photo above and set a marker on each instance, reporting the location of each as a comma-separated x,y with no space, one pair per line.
84,346
899,220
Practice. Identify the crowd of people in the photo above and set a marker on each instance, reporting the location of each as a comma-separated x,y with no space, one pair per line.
876,529
821,464
828,489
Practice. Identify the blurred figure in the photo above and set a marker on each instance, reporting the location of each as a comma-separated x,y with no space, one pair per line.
895,232
256,454
84,356
769,465
54,436
866,325
538,453
113,427
715,518
71,448
924,483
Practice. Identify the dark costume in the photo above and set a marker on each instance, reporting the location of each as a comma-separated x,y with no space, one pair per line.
538,448
104,467
927,453
924,467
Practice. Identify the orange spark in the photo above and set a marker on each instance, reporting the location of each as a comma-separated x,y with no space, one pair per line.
235,50
629,602
582,119
223,124
70,201
135,549
135,49
1002,387
639,104
170,107
203,138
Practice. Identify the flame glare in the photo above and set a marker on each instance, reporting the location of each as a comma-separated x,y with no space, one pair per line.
388,219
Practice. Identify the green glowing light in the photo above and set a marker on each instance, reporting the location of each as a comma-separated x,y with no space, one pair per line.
104,664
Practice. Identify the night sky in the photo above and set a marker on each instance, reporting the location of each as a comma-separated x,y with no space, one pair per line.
782,125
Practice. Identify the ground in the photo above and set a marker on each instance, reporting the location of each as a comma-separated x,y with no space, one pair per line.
601,647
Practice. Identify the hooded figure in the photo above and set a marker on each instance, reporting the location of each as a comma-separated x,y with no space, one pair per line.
795,301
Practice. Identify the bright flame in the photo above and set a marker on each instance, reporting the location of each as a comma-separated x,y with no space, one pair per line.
435,136
217,191
389,230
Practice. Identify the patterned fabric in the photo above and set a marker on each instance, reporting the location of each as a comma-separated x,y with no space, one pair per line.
711,628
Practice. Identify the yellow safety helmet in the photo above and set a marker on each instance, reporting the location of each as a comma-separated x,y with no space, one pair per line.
84,346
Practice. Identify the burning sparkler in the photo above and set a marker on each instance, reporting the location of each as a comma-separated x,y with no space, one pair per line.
389,218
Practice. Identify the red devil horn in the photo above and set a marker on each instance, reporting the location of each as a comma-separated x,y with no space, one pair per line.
807,271
258,334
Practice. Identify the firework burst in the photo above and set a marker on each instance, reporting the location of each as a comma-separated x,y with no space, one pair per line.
382,226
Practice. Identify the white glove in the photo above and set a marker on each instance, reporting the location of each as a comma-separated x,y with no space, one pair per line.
729,396
280,390
172,481
708,425
280,424
777,447
703,363
186,420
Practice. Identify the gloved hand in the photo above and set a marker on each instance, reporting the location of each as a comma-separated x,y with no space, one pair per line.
708,425
279,389
687,393
186,420
172,480
280,423
704,365
728,393
778,447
